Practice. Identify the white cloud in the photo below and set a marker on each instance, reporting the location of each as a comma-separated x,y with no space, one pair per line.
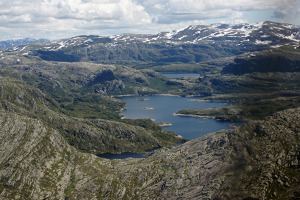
124,10
56,18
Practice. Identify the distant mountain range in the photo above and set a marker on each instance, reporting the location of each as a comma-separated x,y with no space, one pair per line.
264,33
18,42
260,33
192,44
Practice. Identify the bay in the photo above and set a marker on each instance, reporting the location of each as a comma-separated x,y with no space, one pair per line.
161,109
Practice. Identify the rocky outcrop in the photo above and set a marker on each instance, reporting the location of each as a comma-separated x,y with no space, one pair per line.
266,156
35,160
60,79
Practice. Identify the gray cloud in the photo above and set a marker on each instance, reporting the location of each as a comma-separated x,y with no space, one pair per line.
174,11
279,14
286,9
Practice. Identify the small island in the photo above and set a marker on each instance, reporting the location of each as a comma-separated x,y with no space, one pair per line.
142,99
148,108
165,124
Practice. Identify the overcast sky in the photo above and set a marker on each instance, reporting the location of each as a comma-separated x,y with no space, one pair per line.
54,19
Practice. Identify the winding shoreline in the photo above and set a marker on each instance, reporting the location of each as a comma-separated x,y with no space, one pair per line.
196,116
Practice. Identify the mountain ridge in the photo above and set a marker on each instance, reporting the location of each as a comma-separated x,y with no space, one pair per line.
193,44
202,32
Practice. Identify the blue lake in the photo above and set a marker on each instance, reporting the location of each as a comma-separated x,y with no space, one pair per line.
162,108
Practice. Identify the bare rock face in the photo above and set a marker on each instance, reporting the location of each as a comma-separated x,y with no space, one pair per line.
35,160
266,156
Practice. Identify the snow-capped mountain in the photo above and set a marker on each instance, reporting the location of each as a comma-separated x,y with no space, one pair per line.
187,45
264,33
260,33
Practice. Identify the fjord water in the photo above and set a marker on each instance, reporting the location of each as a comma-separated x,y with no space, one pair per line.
162,108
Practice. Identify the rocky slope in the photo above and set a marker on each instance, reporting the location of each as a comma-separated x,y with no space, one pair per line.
58,78
268,159
90,135
260,160
281,59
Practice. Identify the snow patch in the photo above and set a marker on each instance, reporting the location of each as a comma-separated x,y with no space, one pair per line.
62,45
247,30
265,36
276,46
170,35
288,26
262,42
259,24
88,40
23,48
289,37
182,37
